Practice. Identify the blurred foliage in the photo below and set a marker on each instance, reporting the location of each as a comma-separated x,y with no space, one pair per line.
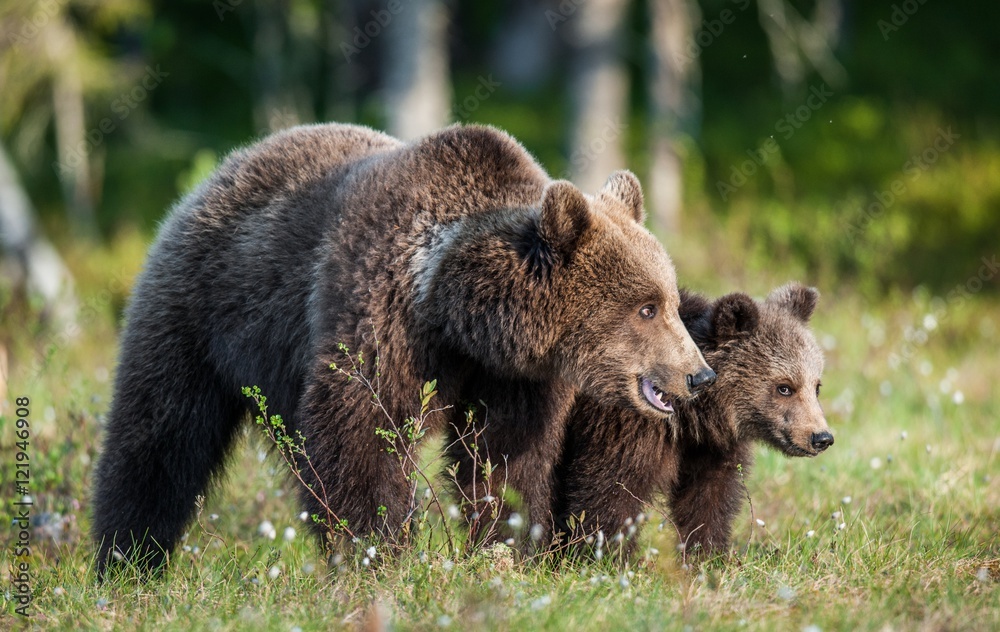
804,210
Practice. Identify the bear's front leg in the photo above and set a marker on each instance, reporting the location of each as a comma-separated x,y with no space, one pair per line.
707,496
506,449
613,462
353,482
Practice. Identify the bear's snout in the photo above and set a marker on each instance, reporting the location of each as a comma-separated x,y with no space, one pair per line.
821,441
703,379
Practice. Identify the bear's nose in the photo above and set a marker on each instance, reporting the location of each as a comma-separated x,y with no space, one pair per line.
821,441
700,380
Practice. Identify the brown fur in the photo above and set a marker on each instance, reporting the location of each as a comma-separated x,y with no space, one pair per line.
615,461
453,257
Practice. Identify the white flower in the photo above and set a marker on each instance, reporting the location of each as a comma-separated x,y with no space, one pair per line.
289,534
274,572
536,532
760,523
515,521
267,530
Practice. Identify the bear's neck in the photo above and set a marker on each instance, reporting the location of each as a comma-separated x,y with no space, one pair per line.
707,420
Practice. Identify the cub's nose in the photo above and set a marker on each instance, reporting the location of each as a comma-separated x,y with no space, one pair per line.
821,441
700,380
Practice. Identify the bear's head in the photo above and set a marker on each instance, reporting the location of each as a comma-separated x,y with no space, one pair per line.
769,368
574,288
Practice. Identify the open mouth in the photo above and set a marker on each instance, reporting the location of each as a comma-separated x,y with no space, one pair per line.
790,448
656,398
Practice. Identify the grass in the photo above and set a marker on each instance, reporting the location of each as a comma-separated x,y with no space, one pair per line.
896,526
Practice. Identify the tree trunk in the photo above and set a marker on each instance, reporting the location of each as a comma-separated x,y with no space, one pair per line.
796,42
71,136
417,83
275,106
599,92
674,107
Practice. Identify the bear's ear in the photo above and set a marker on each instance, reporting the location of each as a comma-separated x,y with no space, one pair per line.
624,187
796,298
565,216
735,314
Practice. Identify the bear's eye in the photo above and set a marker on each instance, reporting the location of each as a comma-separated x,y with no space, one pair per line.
648,311
784,390
817,389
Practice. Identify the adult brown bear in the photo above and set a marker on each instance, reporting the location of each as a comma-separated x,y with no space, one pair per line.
456,252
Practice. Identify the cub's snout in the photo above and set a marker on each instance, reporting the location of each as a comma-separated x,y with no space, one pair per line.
821,441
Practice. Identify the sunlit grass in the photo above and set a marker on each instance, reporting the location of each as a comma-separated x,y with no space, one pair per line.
896,525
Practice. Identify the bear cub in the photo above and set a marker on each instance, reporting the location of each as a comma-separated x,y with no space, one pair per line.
768,368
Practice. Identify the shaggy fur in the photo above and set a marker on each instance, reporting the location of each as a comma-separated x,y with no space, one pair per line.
615,461
453,257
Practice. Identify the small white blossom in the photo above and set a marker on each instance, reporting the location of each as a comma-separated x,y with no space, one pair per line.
267,530
289,534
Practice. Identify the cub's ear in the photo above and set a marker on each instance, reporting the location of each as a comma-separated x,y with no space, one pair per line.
796,298
735,314
565,216
624,188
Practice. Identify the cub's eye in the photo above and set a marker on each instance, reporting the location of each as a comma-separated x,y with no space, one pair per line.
648,312
817,389
784,390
